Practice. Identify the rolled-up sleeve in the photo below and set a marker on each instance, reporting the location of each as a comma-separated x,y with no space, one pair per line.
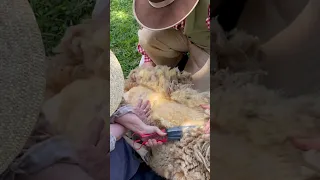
120,112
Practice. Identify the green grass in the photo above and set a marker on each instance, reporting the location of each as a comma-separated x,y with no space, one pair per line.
54,16
123,34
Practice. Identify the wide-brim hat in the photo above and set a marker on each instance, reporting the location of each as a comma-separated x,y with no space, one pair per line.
162,14
22,77
116,83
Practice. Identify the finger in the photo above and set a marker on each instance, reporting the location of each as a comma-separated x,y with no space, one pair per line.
144,105
139,103
148,114
205,106
147,144
158,131
207,125
206,136
307,143
150,143
154,142
207,111
148,106
207,130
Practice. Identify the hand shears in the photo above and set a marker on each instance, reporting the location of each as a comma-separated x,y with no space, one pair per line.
173,134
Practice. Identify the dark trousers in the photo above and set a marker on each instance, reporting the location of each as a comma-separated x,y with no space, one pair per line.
145,173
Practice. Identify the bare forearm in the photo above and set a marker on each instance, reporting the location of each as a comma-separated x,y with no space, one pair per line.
117,130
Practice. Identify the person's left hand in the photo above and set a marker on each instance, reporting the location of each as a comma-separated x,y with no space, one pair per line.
143,110
207,126
153,143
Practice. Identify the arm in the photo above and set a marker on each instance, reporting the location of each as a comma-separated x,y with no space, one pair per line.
116,132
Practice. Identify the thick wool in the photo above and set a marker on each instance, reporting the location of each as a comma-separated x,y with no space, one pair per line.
252,135
257,125
173,103
254,125
76,93
80,54
77,80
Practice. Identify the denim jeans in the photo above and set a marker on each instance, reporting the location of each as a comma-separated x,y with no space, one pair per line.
146,173
126,165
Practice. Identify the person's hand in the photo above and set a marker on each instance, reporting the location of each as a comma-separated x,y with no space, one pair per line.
143,110
207,126
148,64
306,144
153,143
135,124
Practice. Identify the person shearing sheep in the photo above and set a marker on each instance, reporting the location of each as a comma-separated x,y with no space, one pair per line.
170,29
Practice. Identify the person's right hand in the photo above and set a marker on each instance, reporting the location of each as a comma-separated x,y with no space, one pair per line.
207,126
134,123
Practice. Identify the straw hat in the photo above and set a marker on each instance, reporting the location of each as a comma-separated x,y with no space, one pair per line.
22,78
162,14
116,83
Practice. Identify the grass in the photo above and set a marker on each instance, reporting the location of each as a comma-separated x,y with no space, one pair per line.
123,34
54,16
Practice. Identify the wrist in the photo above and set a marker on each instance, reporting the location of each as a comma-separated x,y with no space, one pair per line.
117,130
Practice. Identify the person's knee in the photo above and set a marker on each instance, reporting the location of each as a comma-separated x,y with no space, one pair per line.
147,37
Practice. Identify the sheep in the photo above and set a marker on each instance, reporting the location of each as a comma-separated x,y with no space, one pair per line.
173,103
253,124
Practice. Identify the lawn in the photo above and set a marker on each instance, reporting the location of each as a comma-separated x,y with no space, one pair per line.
54,16
123,34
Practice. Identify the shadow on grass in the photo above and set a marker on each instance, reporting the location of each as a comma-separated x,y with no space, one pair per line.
54,16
